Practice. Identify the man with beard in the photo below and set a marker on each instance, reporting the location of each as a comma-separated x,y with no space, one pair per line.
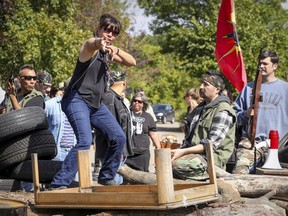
272,112
212,121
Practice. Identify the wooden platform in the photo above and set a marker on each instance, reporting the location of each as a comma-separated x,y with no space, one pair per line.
164,195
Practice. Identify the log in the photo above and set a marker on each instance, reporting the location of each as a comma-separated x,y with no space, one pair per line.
247,185
257,185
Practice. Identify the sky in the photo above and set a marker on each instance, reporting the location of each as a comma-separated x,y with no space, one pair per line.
141,22
285,5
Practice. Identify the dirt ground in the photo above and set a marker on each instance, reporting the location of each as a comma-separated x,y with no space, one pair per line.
27,198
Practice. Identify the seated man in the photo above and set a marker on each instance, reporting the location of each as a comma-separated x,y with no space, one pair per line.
213,120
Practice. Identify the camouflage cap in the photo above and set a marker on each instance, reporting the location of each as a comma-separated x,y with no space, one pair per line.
44,77
118,76
215,78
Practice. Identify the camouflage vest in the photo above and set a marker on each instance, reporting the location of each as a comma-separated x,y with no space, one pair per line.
225,149
24,100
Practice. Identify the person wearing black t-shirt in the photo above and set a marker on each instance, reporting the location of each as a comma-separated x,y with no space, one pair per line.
144,128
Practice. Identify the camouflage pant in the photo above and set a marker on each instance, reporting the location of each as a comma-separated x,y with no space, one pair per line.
245,158
191,166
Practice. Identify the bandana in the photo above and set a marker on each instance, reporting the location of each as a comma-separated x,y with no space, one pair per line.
215,80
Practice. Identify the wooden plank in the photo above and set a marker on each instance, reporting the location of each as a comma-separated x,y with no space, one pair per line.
187,186
164,176
35,173
99,199
195,193
142,188
195,201
126,188
134,207
262,171
63,191
211,166
84,169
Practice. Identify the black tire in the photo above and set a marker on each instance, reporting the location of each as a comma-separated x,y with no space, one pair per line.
283,149
18,122
173,120
23,171
11,185
164,120
20,148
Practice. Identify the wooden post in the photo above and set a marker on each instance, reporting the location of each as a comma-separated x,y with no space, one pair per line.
211,166
35,173
84,169
164,176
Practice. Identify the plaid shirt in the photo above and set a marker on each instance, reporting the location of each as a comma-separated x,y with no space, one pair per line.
221,123
220,127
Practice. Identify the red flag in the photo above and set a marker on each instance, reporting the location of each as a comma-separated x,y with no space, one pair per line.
228,52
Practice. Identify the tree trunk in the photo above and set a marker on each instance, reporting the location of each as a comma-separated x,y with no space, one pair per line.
246,185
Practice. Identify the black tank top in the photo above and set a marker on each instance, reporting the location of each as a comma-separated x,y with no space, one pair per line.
90,79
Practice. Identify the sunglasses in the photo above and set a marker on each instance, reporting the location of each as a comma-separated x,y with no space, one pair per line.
138,101
29,77
108,30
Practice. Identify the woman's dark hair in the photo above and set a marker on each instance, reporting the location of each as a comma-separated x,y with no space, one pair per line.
107,20
143,98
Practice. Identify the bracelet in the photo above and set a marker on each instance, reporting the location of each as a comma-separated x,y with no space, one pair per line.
117,51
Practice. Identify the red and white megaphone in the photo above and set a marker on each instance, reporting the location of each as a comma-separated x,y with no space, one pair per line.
272,161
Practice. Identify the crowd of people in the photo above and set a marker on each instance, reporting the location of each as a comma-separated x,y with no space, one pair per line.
94,98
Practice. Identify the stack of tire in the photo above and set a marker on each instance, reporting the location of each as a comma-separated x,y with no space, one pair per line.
23,132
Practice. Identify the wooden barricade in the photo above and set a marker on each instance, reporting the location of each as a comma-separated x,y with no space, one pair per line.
164,195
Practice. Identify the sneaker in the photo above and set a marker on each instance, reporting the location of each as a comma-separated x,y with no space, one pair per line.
57,187
107,182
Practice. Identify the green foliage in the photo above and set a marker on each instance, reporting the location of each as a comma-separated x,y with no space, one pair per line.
36,35
48,34
186,30
157,73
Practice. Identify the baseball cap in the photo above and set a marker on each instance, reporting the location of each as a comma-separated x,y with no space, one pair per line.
44,77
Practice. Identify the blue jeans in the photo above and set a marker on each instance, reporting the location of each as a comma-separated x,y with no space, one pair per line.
61,157
81,116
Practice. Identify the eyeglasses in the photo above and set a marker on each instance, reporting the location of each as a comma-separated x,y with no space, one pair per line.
138,101
108,30
29,77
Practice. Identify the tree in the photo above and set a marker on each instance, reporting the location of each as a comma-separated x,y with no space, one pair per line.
157,73
40,33
188,30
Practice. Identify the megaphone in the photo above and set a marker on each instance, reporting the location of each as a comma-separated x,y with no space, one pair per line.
272,161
